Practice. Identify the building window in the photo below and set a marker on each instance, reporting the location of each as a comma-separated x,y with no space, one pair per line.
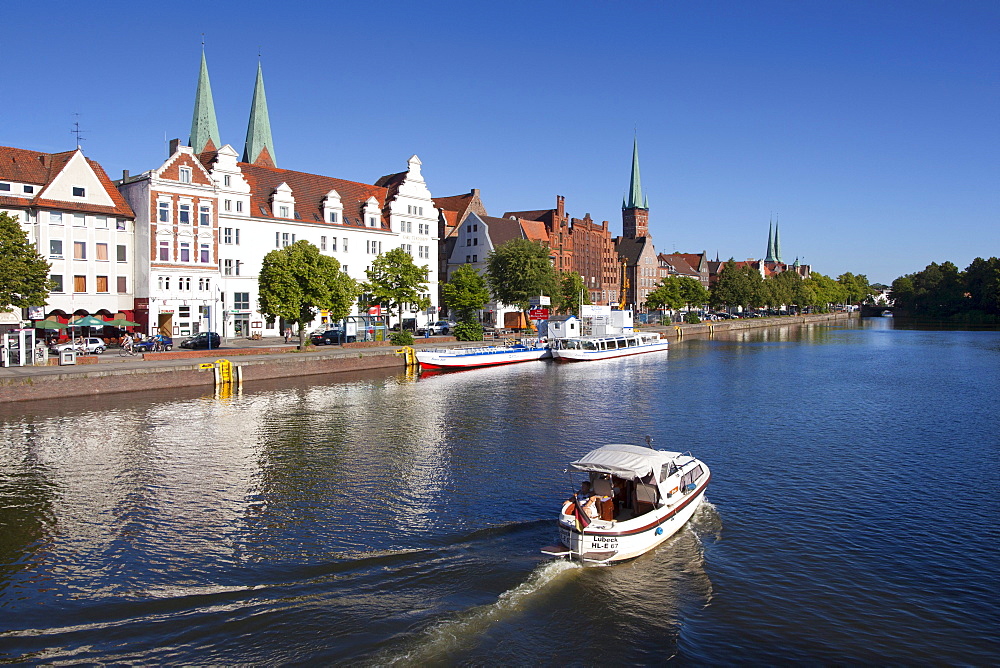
468,259
227,205
333,217
120,225
164,209
184,283
344,245
468,241
101,222
5,187
424,251
122,285
227,180
55,248
239,206
55,218
322,243
185,173
408,248
29,189
102,254
80,250
184,214
333,244
241,301
79,284
122,253
164,255
205,254
227,235
56,282
79,220
102,283
283,211
185,251
204,215
475,258
371,221
79,192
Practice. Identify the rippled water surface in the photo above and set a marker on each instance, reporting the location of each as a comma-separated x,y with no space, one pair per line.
852,517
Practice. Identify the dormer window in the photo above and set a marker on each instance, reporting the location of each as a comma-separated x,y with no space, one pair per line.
332,207
334,217
371,221
283,211
79,192
185,174
29,189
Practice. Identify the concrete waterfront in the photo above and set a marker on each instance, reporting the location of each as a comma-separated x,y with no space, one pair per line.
271,359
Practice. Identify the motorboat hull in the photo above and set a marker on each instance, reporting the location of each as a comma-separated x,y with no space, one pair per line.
606,541
579,355
478,357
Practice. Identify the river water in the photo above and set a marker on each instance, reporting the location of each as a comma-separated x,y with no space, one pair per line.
386,520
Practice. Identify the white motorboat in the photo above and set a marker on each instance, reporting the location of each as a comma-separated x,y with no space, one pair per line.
580,348
644,497
471,358
887,313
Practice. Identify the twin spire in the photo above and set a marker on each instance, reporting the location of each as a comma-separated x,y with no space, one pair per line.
773,243
259,148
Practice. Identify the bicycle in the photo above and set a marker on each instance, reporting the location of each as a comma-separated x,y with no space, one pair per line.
127,351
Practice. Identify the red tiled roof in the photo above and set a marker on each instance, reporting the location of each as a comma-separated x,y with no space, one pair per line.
37,168
457,203
535,230
309,191
502,230
540,215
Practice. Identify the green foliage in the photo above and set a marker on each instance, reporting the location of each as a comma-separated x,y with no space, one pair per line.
856,287
571,287
401,338
691,318
942,292
519,270
466,293
395,281
667,295
738,285
468,331
826,291
297,281
24,275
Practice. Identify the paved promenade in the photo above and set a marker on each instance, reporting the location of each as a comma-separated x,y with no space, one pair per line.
267,359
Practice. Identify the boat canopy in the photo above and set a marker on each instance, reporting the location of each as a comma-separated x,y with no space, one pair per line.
624,461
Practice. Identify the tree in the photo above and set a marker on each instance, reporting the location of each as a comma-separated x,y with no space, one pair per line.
692,291
827,290
466,293
855,286
666,295
519,270
24,275
982,279
297,281
738,286
571,290
394,281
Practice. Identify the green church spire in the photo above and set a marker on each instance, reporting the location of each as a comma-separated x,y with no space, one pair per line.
770,242
635,199
777,243
259,148
204,126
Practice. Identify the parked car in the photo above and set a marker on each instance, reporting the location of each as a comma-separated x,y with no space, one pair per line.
90,344
150,344
201,341
439,327
327,337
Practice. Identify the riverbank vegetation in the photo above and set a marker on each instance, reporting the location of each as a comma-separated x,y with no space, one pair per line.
941,292
740,285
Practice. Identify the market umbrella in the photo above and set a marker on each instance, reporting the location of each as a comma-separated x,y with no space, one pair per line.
121,322
49,324
88,321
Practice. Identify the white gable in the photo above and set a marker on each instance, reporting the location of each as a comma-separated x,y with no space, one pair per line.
77,174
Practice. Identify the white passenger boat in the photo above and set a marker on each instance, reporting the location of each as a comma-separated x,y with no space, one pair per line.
579,348
471,358
644,496
887,313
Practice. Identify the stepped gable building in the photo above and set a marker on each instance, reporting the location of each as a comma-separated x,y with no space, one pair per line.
635,247
452,210
206,219
576,244
79,223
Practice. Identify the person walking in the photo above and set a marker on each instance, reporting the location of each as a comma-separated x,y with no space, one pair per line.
288,334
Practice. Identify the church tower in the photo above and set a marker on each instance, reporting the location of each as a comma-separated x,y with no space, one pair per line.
635,206
259,148
770,243
204,126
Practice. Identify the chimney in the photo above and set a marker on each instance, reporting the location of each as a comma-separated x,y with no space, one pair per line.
174,143
124,175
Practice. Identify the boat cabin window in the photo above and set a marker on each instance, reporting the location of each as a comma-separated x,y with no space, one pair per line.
690,477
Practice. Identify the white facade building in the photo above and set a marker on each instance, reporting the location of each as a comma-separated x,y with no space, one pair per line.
79,223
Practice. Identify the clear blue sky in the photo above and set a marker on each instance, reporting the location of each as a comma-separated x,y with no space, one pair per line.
871,129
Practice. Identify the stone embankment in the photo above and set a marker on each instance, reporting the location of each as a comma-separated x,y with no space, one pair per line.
110,373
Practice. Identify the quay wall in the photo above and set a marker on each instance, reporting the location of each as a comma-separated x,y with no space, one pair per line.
184,368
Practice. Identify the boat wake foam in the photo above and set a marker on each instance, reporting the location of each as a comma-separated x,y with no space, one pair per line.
448,637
